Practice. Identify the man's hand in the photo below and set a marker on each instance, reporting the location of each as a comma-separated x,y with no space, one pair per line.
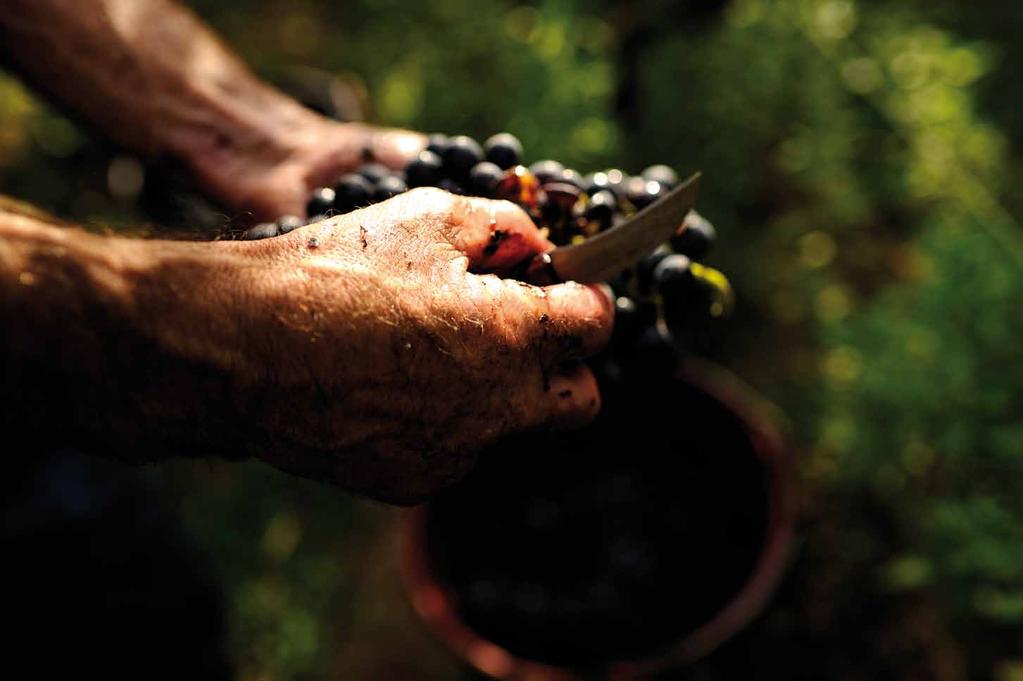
152,77
316,152
372,350
385,364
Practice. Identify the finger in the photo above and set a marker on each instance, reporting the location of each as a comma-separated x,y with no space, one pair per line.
349,145
564,321
582,312
565,399
393,147
496,236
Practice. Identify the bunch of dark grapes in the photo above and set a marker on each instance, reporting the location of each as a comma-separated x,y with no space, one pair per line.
660,301
667,304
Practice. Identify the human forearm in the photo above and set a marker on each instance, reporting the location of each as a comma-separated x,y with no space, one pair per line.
80,365
150,75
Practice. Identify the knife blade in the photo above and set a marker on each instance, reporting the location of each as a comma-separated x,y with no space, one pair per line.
602,256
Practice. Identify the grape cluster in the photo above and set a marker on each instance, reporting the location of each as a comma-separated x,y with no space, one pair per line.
659,301
666,303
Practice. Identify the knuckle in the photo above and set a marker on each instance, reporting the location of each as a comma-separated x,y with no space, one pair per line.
509,213
485,317
430,199
510,332
586,309
525,319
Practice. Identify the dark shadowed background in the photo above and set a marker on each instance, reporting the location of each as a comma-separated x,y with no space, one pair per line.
863,164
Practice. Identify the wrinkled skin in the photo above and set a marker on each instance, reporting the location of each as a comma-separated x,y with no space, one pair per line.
394,364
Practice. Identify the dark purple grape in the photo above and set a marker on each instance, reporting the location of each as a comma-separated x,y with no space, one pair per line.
320,203
449,185
567,193
461,155
571,176
695,238
437,143
673,277
631,558
289,223
605,197
653,352
352,191
484,178
615,181
643,192
662,174
264,230
627,319
389,186
601,209
595,182
635,187
547,171
558,209
646,313
620,282
374,172
503,150
425,170
689,305
645,268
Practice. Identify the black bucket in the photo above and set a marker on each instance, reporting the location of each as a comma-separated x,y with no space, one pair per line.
637,544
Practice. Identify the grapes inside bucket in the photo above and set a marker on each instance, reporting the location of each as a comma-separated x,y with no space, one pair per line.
636,544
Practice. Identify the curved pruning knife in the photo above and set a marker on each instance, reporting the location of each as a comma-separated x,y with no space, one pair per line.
602,256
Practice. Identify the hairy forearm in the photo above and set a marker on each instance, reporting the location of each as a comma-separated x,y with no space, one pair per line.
78,355
152,77
146,349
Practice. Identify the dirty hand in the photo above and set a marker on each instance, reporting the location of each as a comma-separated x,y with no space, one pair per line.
379,350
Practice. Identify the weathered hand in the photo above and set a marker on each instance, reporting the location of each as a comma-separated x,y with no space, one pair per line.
370,350
314,153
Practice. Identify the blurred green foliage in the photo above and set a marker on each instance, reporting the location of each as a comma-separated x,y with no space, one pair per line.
863,164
